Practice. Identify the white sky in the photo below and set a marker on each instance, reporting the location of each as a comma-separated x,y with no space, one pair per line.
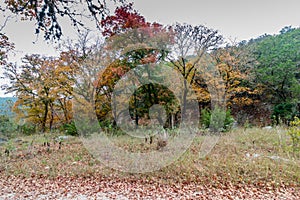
235,19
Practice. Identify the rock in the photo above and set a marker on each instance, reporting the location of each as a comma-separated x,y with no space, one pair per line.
3,141
18,141
255,155
234,125
267,127
62,137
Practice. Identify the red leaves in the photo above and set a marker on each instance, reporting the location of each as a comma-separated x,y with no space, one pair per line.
119,71
125,18
149,59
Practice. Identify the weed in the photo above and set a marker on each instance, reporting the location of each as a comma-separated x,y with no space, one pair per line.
294,132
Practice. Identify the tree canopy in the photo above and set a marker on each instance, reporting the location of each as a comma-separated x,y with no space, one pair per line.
278,69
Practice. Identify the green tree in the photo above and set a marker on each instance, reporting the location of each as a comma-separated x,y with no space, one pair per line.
278,68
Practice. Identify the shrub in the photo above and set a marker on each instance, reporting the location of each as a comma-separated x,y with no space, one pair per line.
107,126
27,129
7,126
83,127
70,129
229,120
218,120
294,132
205,118
284,112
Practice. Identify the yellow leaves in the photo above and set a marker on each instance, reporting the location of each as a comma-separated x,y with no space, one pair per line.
243,101
218,74
236,83
295,122
44,88
240,89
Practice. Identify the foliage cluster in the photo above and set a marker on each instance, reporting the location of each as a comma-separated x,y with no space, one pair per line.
251,80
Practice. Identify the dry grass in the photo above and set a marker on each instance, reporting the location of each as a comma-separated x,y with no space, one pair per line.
252,156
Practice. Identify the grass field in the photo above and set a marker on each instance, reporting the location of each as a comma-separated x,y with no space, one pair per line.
242,156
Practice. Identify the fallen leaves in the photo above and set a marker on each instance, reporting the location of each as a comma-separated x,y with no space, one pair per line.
72,173
13,187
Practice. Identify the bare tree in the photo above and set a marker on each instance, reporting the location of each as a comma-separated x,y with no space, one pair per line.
190,44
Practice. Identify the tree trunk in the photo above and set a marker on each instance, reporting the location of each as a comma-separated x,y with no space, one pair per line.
44,119
136,112
52,116
184,101
172,121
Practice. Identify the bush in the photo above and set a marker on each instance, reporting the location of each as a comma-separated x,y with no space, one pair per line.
284,112
294,132
218,120
83,127
107,126
7,126
70,129
27,129
229,120
205,118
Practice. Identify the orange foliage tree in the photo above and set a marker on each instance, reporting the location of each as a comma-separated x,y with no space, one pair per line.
234,65
43,86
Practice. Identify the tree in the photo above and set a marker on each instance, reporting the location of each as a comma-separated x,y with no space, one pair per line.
190,44
125,18
244,97
48,13
43,87
132,42
277,70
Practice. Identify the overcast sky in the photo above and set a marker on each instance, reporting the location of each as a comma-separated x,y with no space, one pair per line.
235,19
241,19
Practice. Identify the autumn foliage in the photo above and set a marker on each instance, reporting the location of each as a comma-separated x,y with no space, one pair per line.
46,86
43,89
124,19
